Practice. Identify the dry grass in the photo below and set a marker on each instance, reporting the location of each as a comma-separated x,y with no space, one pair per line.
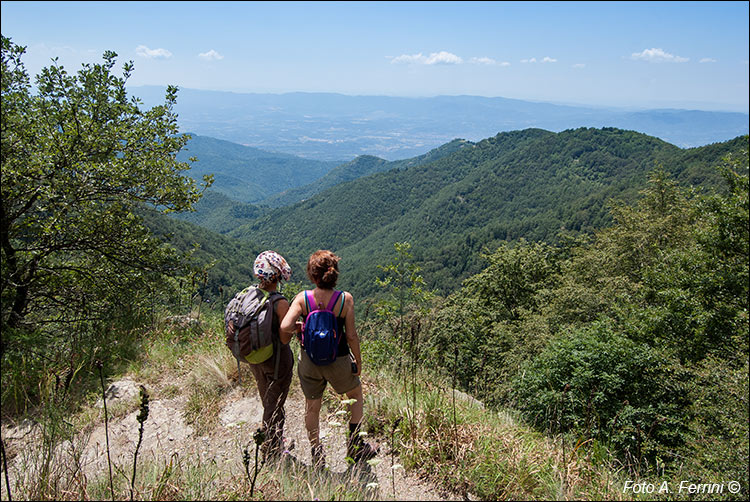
491,456
486,455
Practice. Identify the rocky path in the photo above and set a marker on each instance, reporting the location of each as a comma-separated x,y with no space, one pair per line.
167,435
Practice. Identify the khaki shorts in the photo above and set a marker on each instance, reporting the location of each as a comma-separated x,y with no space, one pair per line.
313,378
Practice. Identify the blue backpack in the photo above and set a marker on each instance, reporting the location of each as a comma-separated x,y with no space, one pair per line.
320,335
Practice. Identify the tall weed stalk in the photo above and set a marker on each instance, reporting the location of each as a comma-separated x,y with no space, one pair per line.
5,467
106,426
142,417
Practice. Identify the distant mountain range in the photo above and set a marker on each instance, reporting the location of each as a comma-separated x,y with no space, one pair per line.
462,198
336,127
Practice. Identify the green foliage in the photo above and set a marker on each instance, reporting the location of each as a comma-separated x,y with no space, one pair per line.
218,213
79,161
636,338
480,453
228,264
361,166
603,385
491,320
404,309
717,444
405,287
530,184
247,174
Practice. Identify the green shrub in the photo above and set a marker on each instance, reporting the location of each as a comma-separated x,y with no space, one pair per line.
598,383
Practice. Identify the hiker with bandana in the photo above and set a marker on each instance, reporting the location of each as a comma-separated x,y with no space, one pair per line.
274,375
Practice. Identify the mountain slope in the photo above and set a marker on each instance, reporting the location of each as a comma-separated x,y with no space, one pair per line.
218,213
361,166
530,183
229,262
248,174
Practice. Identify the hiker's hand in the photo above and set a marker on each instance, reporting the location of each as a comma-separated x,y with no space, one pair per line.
298,326
230,326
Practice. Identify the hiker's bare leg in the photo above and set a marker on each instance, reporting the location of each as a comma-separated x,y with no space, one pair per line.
356,409
312,420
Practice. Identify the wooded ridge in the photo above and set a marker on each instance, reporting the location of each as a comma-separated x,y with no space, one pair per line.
466,197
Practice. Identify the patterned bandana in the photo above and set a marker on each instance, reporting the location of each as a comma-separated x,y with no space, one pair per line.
270,266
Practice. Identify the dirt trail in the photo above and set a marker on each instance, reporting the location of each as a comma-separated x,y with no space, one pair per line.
166,434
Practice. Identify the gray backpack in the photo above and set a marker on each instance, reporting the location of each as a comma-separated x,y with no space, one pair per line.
251,313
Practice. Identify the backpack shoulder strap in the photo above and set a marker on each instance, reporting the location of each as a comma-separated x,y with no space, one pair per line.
334,299
261,303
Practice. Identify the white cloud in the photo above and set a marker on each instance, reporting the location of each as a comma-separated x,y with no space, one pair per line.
545,59
579,65
657,56
441,57
483,60
407,59
145,52
488,62
707,60
211,55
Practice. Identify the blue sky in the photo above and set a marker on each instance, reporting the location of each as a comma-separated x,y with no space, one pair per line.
623,54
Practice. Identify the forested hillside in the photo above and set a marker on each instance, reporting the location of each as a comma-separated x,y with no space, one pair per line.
218,213
358,168
221,213
532,184
631,341
248,174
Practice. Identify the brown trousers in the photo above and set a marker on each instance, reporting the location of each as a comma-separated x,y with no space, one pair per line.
273,393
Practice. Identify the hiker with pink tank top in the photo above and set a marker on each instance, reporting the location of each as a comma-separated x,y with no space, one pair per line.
330,352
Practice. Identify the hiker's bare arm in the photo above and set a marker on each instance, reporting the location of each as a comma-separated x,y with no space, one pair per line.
351,332
282,308
289,321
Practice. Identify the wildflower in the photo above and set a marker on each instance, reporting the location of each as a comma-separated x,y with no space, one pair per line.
396,467
348,402
341,412
372,485
334,424
373,462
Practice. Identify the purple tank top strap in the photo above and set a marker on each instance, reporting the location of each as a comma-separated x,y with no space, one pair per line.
310,301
